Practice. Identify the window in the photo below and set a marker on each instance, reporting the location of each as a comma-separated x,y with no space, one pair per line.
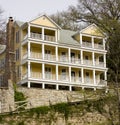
17,54
17,37
86,57
87,74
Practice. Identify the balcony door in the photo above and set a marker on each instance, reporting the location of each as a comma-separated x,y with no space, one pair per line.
63,56
72,57
48,73
63,75
47,54
73,76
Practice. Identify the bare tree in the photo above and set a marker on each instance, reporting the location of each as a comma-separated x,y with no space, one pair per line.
106,15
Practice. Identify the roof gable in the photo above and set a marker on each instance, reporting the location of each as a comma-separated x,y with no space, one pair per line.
93,30
45,21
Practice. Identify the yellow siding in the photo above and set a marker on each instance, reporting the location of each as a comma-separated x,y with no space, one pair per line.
44,21
92,30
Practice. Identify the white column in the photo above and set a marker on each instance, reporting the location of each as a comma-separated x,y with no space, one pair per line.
94,78
81,39
43,70
29,49
28,84
104,60
29,72
56,52
57,87
69,55
28,30
70,88
81,54
43,33
93,58
57,72
43,86
43,51
92,42
56,36
104,44
82,75
105,75
70,73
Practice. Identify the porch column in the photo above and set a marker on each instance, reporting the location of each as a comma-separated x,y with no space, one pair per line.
94,78
43,50
43,86
70,88
29,50
92,42
56,35
104,60
93,58
81,54
43,70
104,44
80,39
105,75
43,33
70,73
29,72
56,51
69,55
57,87
28,84
82,75
57,72
28,30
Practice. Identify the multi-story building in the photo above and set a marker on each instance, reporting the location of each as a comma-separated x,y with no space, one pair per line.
47,56
2,65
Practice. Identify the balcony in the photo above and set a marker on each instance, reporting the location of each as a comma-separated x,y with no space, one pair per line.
36,55
36,35
50,76
50,57
63,59
75,79
87,62
75,61
36,75
63,78
25,75
25,56
87,44
99,64
98,46
49,38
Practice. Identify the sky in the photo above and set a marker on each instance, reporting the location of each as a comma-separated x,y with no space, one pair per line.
26,10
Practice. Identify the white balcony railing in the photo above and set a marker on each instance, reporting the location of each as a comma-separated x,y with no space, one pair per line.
87,62
102,82
36,75
25,75
63,59
98,46
50,57
99,64
76,79
63,78
88,80
75,61
49,38
87,44
35,35
50,76
36,55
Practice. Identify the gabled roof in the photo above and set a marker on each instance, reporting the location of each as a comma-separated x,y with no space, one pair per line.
93,29
47,18
66,37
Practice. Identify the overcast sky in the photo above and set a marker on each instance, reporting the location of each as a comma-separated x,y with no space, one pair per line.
25,10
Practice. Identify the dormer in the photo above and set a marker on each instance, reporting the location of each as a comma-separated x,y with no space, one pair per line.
43,28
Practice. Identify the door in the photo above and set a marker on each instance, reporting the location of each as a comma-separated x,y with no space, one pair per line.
48,73
63,56
63,75
72,57
73,76
47,54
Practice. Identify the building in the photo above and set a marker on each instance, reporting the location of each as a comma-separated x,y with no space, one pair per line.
45,56
2,65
